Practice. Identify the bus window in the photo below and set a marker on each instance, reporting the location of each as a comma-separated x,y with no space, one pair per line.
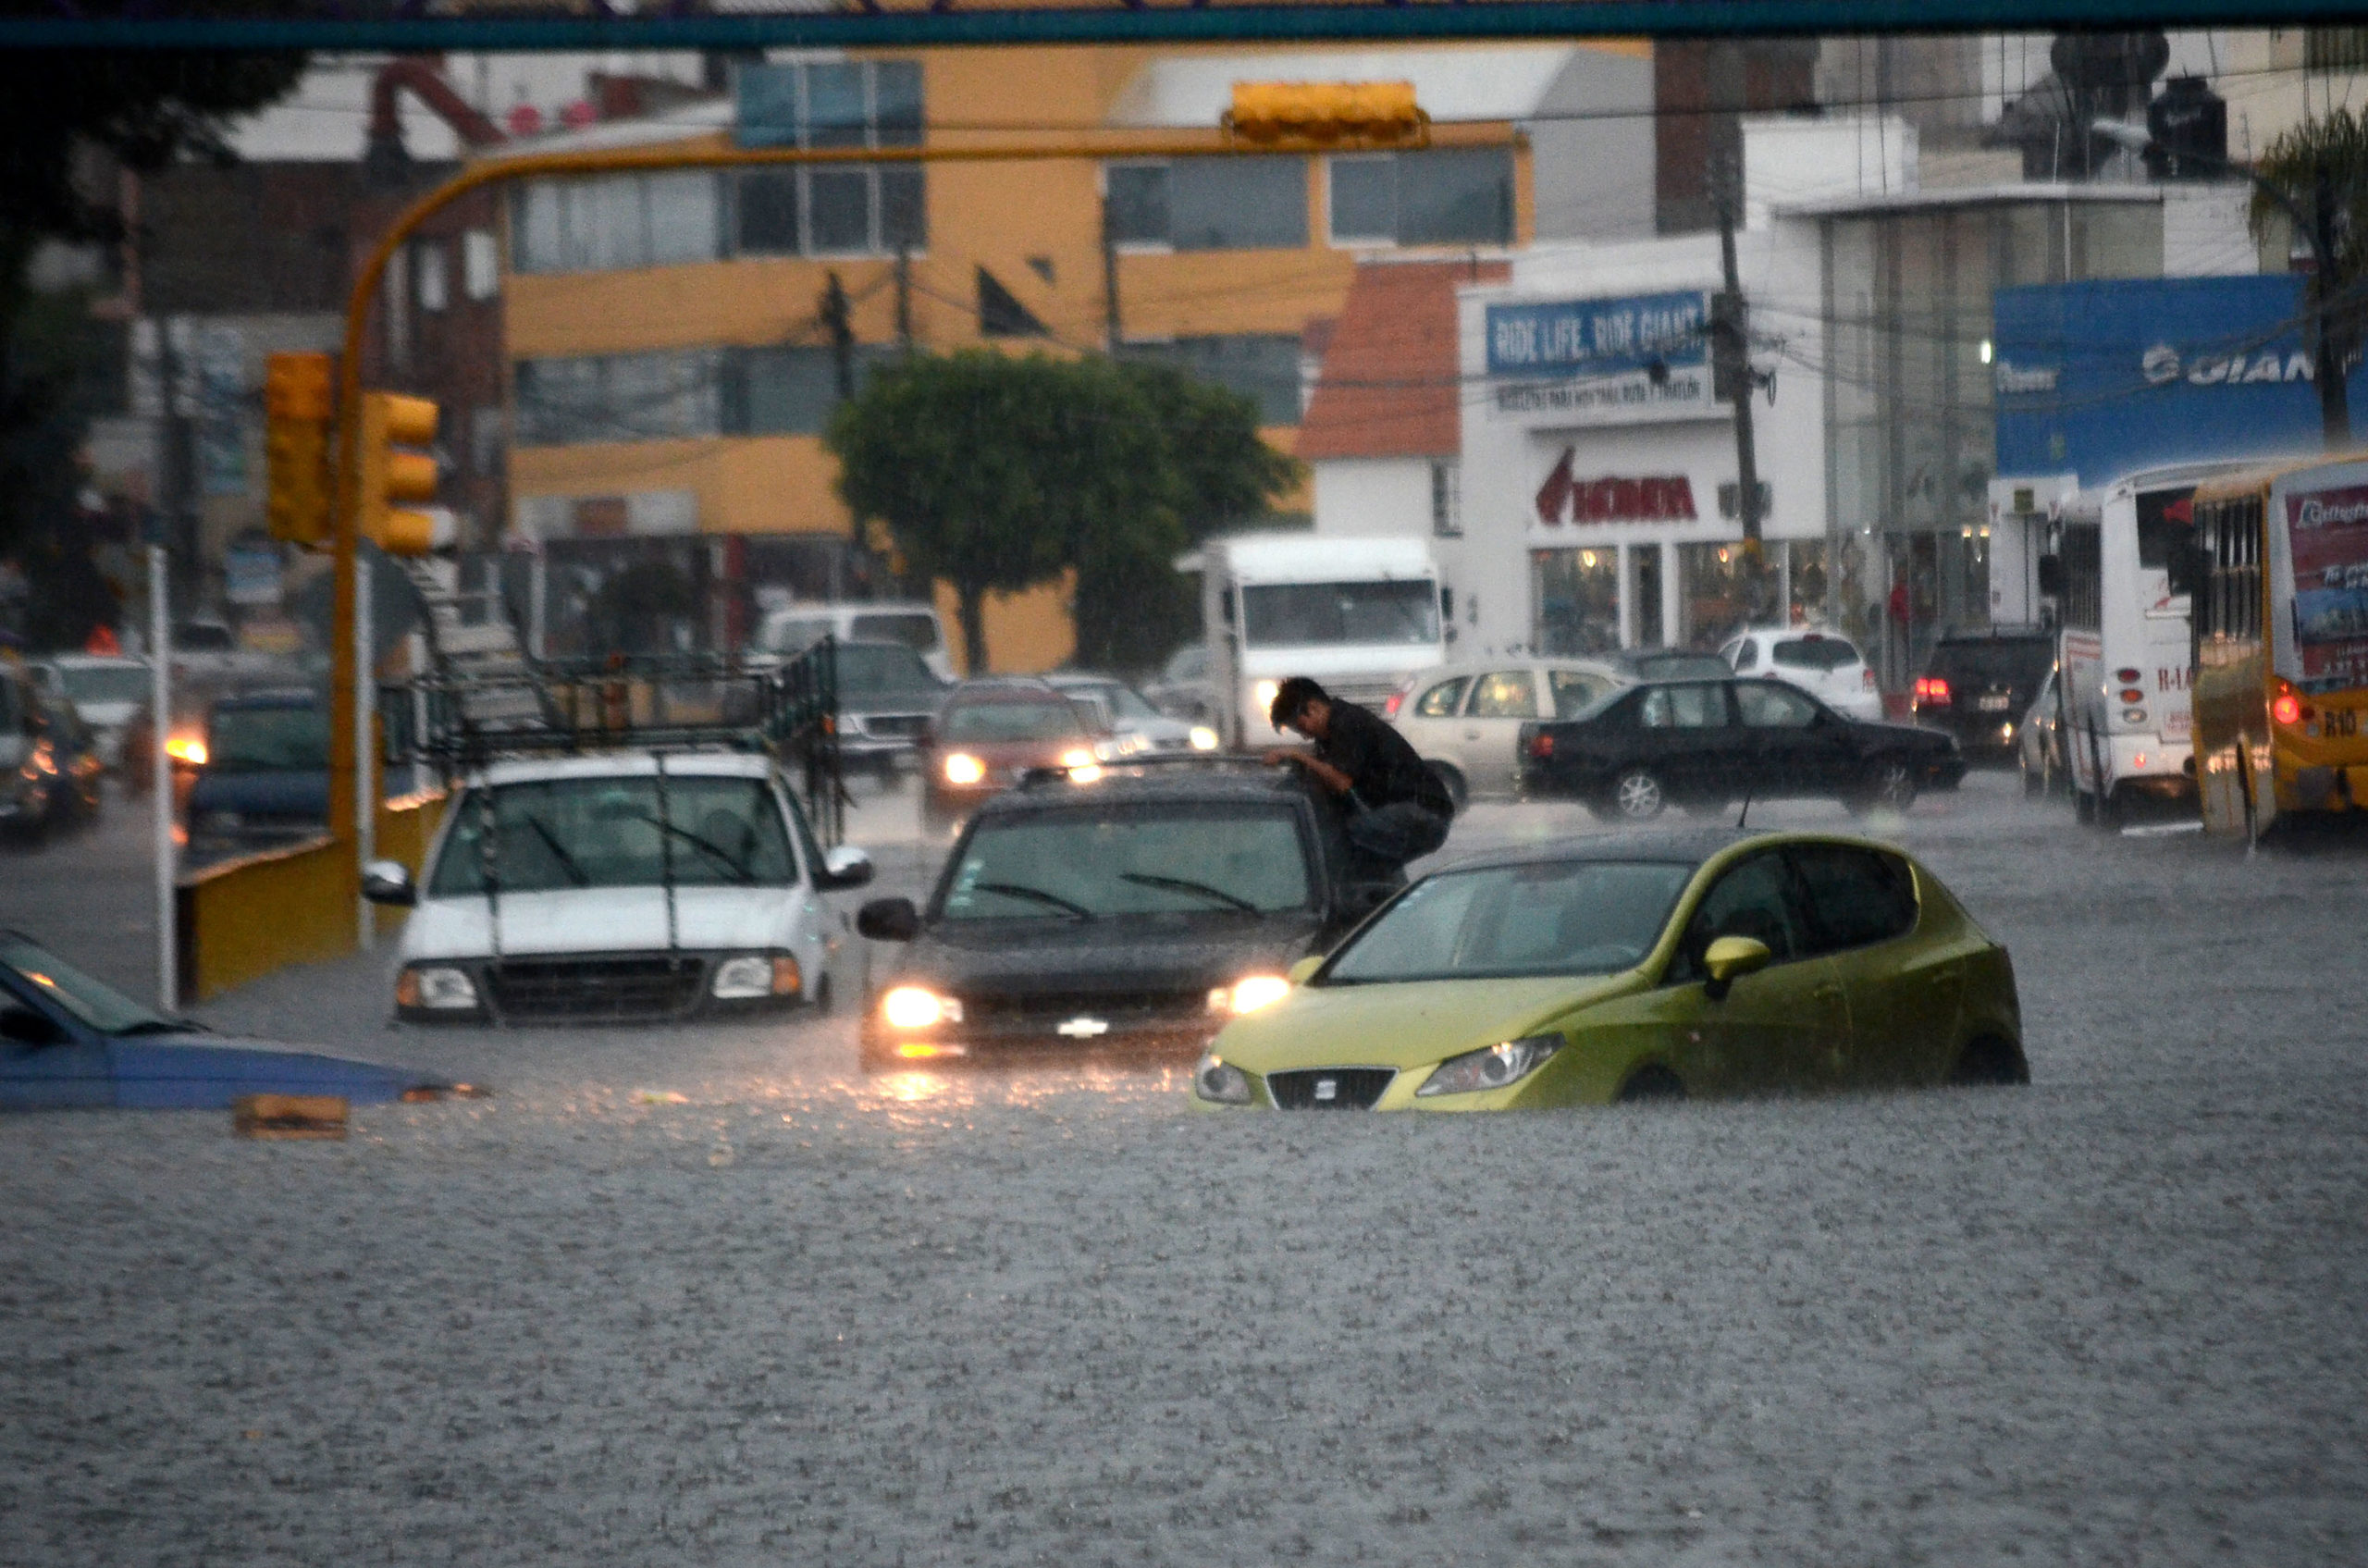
2165,525
2083,557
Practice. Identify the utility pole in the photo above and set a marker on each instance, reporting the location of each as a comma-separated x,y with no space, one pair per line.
1730,379
842,330
2334,398
1113,332
905,298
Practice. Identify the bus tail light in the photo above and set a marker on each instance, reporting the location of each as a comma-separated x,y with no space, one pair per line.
1932,691
2131,694
2286,708
2128,677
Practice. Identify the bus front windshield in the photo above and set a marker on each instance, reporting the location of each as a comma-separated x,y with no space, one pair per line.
1329,615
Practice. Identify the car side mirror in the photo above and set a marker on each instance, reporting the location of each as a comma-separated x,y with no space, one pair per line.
889,920
845,867
389,881
2050,575
1305,971
1729,960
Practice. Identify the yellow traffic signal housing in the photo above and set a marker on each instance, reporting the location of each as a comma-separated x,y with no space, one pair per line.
391,476
297,405
1327,113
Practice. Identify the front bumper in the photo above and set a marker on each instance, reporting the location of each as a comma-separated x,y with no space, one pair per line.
1067,1030
594,988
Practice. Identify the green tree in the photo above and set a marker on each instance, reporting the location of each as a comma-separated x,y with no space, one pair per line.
141,110
2326,158
996,474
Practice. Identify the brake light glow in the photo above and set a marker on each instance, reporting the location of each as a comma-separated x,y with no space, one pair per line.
1932,690
1541,744
1867,679
2131,694
2288,709
2126,677
1397,700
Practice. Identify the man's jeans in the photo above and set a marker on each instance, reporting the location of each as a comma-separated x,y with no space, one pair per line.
1392,835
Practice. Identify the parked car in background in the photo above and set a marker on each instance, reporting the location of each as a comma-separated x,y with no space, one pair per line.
1978,685
1465,719
1825,664
1130,716
1668,664
105,689
265,779
887,696
2038,745
1705,744
1184,689
793,628
990,732
49,768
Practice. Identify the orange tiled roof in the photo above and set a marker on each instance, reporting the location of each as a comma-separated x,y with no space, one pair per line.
1389,385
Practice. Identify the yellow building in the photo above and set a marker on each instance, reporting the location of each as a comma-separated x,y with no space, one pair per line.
672,357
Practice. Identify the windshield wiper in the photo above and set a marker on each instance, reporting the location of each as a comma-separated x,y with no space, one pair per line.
709,847
1036,894
1181,885
559,851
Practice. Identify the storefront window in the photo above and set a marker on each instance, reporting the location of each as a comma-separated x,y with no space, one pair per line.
1808,583
1710,594
1576,593
1645,596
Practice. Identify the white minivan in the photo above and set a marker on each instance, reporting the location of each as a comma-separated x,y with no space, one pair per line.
793,628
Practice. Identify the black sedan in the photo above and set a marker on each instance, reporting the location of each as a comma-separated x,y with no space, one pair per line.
1707,744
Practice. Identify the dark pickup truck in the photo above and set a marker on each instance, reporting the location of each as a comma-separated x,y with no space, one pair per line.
265,782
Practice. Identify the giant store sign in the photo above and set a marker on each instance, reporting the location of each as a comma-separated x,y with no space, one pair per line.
1614,361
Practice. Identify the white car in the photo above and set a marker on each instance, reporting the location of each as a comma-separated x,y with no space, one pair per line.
1465,719
1130,715
792,628
105,689
627,887
1827,665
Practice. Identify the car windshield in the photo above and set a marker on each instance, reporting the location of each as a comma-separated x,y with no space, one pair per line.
1679,667
1130,859
105,683
796,636
914,628
2006,661
558,835
1317,614
1814,652
1550,918
1116,697
875,670
988,722
101,1007
266,740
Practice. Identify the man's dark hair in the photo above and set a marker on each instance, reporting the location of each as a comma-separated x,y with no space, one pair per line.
1290,696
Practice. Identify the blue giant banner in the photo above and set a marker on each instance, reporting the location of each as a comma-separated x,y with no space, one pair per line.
2100,379
1598,337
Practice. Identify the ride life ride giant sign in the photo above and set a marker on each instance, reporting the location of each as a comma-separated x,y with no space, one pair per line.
1621,361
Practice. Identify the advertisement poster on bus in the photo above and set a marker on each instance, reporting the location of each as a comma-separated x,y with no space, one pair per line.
2328,531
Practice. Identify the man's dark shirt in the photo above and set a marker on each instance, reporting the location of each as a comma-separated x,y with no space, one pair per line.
1381,766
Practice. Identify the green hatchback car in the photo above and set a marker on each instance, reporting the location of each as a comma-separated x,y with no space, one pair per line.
1637,967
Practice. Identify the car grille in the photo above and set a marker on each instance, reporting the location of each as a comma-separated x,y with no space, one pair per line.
539,990
1131,1016
1352,1089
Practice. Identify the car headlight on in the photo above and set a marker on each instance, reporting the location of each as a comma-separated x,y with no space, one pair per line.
1203,739
964,768
1262,695
1078,757
1249,994
745,975
1220,1082
912,1006
436,987
1493,1068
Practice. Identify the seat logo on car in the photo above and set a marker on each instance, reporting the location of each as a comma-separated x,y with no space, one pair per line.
1083,1027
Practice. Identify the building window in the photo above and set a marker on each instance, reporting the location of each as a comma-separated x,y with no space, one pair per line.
397,314
489,439
1209,203
427,263
645,397
830,212
788,391
2336,49
1709,594
480,264
615,222
1447,499
1442,196
1262,366
1576,597
829,104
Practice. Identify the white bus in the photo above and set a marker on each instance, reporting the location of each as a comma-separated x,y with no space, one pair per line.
2117,572
1359,615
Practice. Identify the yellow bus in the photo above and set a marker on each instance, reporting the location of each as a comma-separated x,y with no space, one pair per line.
2279,580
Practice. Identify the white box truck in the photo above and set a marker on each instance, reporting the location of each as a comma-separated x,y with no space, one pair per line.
1358,615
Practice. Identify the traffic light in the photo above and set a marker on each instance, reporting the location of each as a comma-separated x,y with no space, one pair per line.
391,476
297,405
1327,113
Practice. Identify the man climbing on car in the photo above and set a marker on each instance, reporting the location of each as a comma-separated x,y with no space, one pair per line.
1395,809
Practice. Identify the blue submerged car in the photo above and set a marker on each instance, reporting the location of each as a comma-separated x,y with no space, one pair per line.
68,1042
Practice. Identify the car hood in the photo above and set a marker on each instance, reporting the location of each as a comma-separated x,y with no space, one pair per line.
1405,1026
1128,958
203,1070
601,919
281,793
